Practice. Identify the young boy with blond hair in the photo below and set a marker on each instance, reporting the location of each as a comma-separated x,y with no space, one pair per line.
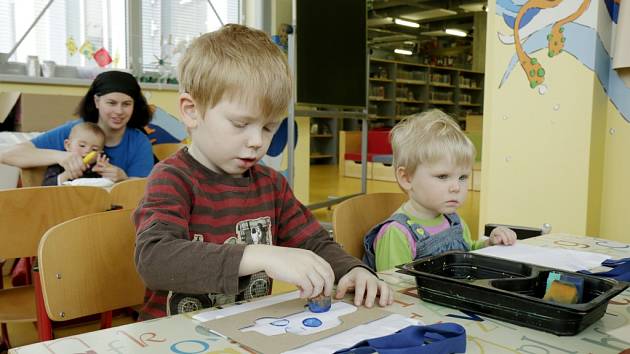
214,226
433,160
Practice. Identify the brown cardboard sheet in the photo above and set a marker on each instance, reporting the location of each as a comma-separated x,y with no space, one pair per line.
38,112
230,326
7,101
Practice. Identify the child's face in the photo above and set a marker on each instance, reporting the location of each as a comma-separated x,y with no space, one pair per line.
83,142
231,137
436,188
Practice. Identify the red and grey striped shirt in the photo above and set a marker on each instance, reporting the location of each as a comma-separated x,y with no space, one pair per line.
192,227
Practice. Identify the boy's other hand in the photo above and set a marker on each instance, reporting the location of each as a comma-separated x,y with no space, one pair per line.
73,165
300,267
502,236
366,288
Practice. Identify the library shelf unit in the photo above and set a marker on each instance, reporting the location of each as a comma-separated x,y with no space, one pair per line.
398,89
323,139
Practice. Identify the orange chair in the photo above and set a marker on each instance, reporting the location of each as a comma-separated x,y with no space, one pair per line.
162,151
26,214
127,194
86,267
353,218
32,176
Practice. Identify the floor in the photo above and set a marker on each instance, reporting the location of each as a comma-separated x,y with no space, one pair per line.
325,183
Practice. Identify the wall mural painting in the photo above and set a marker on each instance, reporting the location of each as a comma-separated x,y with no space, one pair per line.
541,30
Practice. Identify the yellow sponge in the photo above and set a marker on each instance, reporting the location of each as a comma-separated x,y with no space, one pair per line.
561,293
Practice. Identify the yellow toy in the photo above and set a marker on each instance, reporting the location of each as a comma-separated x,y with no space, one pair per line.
89,157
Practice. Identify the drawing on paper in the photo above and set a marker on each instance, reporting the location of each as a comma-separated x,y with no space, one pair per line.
302,323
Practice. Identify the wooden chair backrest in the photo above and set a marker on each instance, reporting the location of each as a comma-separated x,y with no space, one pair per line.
33,176
163,151
26,214
86,266
353,218
128,193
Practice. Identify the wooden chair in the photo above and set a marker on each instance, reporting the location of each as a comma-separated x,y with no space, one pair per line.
354,217
86,267
127,194
162,151
33,176
26,215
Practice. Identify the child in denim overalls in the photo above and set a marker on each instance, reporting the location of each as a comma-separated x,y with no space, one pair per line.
433,160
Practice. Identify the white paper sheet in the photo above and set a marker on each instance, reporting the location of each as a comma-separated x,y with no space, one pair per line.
382,327
232,310
558,258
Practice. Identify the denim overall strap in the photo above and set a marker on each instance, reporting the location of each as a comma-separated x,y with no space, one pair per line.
451,239
369,257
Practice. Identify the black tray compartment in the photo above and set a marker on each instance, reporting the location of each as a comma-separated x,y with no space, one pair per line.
509,291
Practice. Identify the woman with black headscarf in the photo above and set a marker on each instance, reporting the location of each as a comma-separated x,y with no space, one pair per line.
114,102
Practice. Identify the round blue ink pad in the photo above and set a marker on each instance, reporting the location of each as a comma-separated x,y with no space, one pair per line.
312,322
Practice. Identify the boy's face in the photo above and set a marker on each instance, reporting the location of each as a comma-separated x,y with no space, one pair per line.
82,142
231,137
436,188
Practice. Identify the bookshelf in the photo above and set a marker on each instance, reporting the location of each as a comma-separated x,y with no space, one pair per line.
398,89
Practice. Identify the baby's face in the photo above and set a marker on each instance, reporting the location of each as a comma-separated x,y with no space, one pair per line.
84,142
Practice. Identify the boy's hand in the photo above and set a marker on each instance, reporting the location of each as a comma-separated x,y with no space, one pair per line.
302,268
366,287
502,236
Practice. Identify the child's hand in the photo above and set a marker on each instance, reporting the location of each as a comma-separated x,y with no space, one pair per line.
362,280
73,165
302,268
107,170
502,236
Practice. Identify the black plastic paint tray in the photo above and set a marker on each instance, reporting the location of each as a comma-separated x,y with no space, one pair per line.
509,291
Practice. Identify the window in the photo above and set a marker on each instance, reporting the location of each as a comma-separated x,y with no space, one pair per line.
66,27
71,31
169,25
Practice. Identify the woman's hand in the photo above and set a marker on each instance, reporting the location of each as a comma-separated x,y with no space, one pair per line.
73,165
107,170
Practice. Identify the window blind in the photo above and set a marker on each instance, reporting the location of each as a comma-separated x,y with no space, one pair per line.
168,26
65,28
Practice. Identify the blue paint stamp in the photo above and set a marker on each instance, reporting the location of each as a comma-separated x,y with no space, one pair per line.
319,303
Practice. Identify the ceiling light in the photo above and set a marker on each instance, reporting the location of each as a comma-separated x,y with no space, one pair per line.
427,14
403,51
455,32
401,22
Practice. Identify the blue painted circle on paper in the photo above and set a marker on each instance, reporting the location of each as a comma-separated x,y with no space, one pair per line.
203,346
312,322
280,323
